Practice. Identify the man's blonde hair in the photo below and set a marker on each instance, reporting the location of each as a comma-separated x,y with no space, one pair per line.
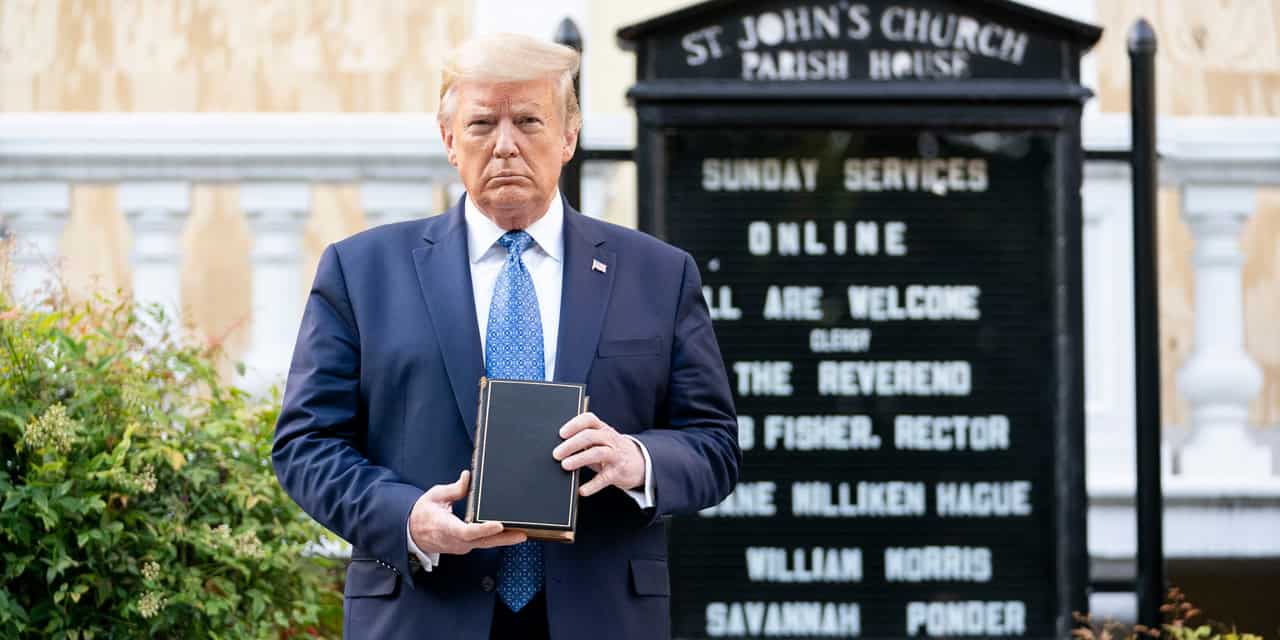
511,57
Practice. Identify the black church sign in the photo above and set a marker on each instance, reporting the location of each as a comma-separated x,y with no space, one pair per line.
839,41
883,198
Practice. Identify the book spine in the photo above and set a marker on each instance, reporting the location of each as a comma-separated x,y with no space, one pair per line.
473,495
575,483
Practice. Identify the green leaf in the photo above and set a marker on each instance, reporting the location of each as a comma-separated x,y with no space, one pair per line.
15,565
12,500
106,362
57,567
14,418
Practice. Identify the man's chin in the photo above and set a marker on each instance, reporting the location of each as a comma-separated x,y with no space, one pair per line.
514,207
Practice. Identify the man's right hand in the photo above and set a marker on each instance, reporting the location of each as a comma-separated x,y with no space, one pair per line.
436,530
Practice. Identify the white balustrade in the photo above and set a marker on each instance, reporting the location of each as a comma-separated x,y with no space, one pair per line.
157,212
34,214
400,167
277,213
1219,500
387,201
1219,380
1108,283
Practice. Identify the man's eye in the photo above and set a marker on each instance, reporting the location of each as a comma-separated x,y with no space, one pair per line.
530,121
480,123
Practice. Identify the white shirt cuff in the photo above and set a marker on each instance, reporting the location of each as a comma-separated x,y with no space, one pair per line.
644,495
427,560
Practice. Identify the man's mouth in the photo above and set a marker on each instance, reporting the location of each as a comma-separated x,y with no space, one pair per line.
508,177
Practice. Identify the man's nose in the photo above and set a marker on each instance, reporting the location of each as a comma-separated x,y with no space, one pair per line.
505,146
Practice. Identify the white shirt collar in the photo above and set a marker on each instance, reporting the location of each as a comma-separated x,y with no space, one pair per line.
483,233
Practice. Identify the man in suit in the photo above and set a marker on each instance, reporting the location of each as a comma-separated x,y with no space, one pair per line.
377,427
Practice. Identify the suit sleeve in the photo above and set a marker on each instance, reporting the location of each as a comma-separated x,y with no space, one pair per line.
695,455
317,452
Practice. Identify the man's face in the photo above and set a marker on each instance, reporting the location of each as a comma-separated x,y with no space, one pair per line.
508,141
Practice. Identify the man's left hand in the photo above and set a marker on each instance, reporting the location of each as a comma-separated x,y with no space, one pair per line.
589,442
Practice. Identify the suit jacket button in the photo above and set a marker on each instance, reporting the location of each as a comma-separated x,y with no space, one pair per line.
486,584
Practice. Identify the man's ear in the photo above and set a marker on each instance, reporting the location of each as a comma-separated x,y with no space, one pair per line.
446,135
570,144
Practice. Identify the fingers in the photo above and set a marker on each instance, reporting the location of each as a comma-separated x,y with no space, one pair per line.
453,491
442,532
581,441
504,539
463,537
579,423
597,455
599,482
471,532
620,463
590,442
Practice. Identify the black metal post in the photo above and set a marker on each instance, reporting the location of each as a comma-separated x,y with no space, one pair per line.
571,174
1142,109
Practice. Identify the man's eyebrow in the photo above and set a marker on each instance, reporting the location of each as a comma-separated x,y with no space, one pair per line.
526,107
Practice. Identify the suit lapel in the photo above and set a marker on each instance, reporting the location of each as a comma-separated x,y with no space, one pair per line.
444,275
584,296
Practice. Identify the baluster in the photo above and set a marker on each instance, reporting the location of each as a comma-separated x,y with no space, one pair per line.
1219,380
157,212
276,213
34,215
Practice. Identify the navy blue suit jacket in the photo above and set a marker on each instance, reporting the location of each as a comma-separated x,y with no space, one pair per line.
380,405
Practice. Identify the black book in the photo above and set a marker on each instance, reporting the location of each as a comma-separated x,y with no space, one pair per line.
514,479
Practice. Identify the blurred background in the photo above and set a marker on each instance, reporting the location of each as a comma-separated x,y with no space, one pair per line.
201,154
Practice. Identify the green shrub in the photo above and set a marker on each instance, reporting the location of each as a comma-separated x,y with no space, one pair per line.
137,498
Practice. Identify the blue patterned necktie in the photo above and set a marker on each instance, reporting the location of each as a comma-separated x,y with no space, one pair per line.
513,349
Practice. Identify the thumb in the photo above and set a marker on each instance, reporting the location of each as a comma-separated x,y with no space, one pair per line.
453,491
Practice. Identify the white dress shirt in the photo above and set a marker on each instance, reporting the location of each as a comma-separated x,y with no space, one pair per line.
545,262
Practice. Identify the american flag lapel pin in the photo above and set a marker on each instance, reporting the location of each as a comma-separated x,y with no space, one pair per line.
596,265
